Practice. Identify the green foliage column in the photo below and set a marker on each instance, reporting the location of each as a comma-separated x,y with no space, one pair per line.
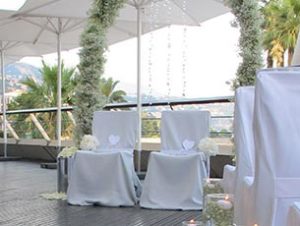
249,20
88,97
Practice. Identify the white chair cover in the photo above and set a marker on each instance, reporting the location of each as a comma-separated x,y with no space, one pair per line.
277,142
104,178
115,129
244,143
243,138
228,181
182,130
107,177
175,181
294,215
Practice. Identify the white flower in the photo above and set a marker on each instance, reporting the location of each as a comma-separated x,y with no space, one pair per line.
67,152
208,146
89,142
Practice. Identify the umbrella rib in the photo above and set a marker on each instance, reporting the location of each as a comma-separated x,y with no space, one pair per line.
37,24
40,33
131,34
136,3
10,45
55,30
5,45
186,13
73,26
65,26
34,8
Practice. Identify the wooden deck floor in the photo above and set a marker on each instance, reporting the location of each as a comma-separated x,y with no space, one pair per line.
21,184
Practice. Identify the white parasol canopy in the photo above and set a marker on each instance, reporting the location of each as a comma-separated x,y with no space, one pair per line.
58,23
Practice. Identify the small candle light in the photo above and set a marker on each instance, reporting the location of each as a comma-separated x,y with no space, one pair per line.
192,223
225,204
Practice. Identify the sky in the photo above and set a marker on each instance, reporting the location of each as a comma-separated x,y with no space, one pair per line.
210,58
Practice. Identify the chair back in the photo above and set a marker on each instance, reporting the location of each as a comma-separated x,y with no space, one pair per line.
243,131
182,130
244,143
115,129
277,144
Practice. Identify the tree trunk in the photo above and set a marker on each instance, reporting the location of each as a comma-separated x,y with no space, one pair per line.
290,56
269,60
280,62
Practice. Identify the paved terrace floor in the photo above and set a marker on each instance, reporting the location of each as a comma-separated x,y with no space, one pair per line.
21,184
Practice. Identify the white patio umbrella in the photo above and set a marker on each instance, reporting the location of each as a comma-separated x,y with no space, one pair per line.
12,51
64,18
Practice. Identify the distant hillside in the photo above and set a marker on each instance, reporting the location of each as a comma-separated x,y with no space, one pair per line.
17,72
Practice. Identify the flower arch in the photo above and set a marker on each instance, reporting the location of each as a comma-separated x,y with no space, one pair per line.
88,97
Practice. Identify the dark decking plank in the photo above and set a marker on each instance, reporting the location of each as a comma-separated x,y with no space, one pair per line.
21,184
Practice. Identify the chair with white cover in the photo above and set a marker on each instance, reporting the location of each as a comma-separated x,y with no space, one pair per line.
244,143
174,176
107,176
243,139
294,215
277,141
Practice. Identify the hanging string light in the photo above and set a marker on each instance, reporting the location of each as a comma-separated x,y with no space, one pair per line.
184,50
169,49
153,25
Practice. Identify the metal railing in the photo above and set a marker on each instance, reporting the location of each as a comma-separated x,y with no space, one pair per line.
40,123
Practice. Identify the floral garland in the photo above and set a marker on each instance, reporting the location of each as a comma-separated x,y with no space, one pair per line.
88,97
212,186
249,20
218,210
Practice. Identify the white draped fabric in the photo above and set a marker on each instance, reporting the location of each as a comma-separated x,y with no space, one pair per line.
294,215
104,178
182,130
228,181
115,130
174,176
244,143
107,176
243,139
277,140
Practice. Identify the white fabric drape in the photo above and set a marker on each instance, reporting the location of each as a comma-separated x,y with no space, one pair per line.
174,176
178,127
244,143
243,139
107,176
294,215
277,141
115,130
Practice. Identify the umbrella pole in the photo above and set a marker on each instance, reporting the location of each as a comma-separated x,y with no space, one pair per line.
139,98
3,103
59,85
60,181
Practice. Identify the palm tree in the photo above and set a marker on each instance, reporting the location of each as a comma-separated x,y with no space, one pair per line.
107,87
281,27
42,95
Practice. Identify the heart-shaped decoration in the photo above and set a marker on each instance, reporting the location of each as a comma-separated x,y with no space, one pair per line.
188,144
113,139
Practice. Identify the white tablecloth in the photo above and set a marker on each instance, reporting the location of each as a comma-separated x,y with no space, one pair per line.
294,215
104,178
174,182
